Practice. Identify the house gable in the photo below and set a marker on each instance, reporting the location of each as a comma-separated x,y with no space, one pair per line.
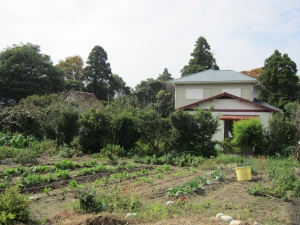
226,102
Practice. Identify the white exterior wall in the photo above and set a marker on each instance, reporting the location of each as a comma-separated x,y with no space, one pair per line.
209,90
233,104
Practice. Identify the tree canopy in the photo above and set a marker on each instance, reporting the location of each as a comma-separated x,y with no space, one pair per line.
72,67
280,79
98,72
252,73
25,71
203,59
165,76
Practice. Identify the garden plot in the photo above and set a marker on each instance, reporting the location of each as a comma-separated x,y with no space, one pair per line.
197,193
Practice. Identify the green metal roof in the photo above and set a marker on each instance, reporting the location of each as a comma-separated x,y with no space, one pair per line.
215,76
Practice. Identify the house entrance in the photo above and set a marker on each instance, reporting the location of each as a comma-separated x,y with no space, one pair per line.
228,127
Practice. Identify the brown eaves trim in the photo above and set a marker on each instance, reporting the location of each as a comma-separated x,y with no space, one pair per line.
228,95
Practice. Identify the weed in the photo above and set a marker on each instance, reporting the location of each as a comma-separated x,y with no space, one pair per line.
159,176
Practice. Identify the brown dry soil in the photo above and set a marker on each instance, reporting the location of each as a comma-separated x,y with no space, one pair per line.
228,196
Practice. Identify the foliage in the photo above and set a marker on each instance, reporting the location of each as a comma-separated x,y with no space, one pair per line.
14,206
228,146
193,132
223,158
123,130
16,140
64,174
22,118
147,90
41,101
89,203
94,131
175,160
113,149
73,184
25,71
72,68
186,188
118,85
285,182
165,103
98,73
280,79
153,132
279,130
65,151
248,134
27,156
7,153
61,123
165,76
202,59
252,73
64,164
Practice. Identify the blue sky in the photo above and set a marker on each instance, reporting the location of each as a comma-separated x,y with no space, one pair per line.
142,37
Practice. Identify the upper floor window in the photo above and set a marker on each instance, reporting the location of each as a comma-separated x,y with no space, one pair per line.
194,94
233,91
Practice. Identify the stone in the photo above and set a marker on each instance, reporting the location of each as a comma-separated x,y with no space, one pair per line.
226,219
170,202
219,214
130,215
235,222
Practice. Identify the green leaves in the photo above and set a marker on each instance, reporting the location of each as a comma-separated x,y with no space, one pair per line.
280,79
202,59
25,71
248,134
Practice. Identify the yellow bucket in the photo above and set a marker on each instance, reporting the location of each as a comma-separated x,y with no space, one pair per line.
243,173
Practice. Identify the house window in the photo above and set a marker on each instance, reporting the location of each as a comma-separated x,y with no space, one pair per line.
233,91
194,94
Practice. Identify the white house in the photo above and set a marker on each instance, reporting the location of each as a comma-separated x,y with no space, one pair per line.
233,95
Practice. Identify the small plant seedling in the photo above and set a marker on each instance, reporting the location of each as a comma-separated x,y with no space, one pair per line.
47,190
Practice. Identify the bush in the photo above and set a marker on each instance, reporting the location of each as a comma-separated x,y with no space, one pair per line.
279,128
194,132
22,118
14,207
248,134
61,123
113,149
89,203
26,156
94,131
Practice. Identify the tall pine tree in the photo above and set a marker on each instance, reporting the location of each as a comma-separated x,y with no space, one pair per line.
202,59
98,73
280,79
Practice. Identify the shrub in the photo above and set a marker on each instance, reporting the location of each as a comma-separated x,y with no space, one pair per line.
113,149
194,132
22,118
94,131
61,123
279,128
89,203
14,206
26,156
248,134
